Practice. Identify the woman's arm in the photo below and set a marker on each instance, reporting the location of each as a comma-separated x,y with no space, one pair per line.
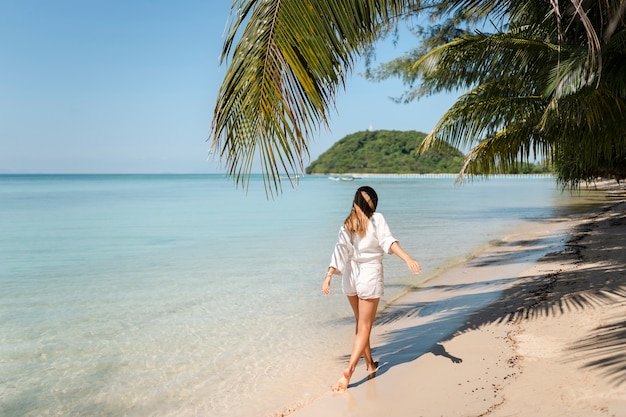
413,265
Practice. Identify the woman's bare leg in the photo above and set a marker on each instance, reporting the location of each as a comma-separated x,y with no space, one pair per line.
370,365
367,313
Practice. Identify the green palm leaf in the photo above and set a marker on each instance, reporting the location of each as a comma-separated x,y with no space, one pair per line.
289,60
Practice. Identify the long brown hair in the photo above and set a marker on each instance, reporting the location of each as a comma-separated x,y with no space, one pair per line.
363,206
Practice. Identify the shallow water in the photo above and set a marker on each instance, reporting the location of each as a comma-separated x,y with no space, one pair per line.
176,295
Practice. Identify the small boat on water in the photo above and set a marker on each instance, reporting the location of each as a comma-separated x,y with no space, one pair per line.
342,178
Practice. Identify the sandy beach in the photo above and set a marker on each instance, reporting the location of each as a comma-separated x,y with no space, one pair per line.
533,326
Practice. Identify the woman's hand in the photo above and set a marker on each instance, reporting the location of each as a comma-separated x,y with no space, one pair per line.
414,266
326,285
327,280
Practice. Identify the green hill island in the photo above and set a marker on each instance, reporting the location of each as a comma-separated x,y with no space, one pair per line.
395,152
385,152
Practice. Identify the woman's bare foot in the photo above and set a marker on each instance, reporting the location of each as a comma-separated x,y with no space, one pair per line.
372,367
343,383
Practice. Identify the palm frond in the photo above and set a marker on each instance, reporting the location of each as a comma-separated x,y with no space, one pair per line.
615,62
469,60
506,149
288,59
568,77
484,111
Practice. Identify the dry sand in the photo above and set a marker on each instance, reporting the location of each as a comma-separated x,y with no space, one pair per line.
534,326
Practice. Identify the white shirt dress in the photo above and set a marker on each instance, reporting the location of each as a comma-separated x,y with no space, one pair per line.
360,259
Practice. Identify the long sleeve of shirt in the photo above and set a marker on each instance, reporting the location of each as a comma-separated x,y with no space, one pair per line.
383,234
343,251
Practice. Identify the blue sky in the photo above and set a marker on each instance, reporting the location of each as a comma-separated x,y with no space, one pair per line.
129,87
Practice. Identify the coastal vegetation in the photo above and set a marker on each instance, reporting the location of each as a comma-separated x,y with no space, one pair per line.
542,79
395,152
385,151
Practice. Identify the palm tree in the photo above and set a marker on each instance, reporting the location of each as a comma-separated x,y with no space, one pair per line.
287,60
534,90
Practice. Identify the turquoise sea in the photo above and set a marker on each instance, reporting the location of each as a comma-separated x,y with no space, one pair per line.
181,295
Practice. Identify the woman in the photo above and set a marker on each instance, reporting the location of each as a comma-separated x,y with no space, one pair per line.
363,240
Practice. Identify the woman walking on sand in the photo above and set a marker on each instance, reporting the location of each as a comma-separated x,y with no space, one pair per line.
363,240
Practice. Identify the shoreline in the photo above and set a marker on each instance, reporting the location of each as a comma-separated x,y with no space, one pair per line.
530,326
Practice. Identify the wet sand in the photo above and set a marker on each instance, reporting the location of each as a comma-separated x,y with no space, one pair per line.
533,326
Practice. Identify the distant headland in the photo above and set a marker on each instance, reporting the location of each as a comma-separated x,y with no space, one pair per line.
392,152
